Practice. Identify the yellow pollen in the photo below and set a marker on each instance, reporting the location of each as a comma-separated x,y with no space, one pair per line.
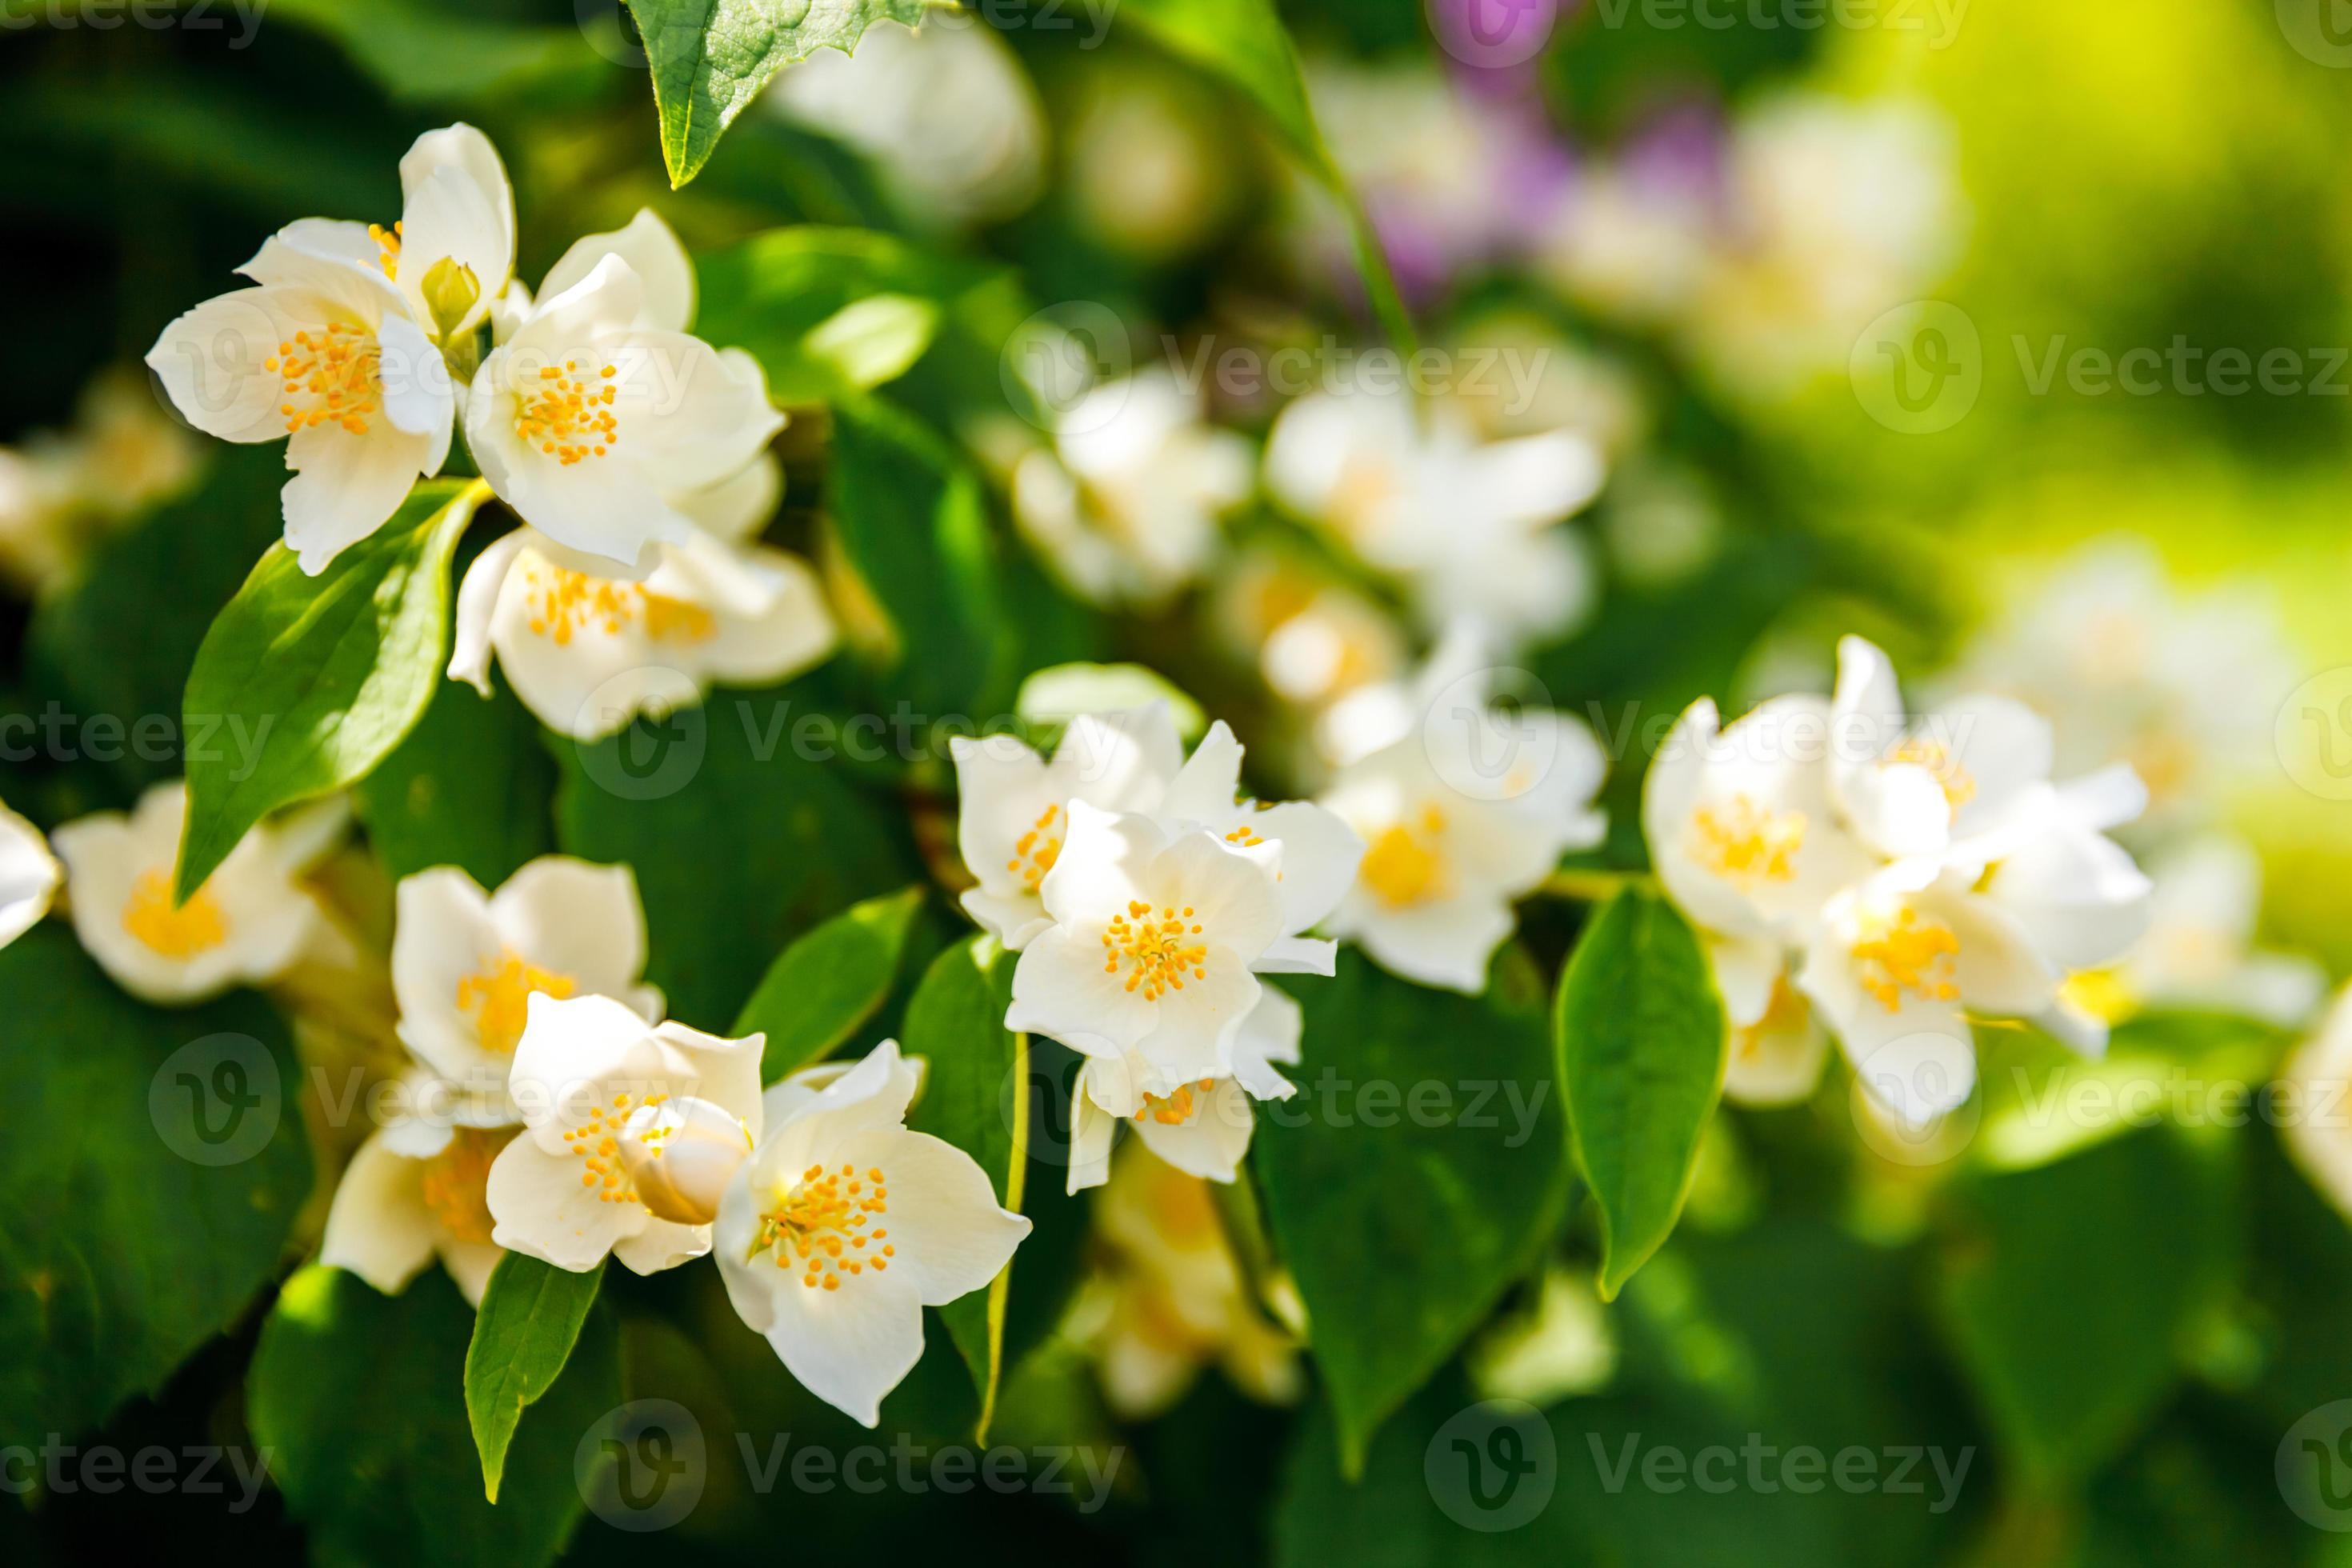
1038,848
1783,1011
1175,1110
196,926
457,1183
1936,758
1154,953
818,1229
1405,864
569,419
1902,955
500,998
328,377
563,602
596,1142
387,240
1745,843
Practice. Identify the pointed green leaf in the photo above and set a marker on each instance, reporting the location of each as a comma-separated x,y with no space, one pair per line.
1640,1042
305,683
825,986
1418,1172
711,58
523,1333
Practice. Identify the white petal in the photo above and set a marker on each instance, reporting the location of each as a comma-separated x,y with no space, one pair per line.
543,1209
29,875
1103,862
378,1226
2079,896
346,486
210,362
1211,1142
478,599
1445,942
1206,790
662,1244
1061,989
1319,857
577,919
1092,1130
443,937
652,252
735,510
1120,761
1270,1034
850,1347
952,1237
688,413
457,203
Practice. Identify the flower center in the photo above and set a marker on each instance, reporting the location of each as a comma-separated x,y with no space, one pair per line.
500,998
387,241
196,926
1367,484
569,415
1783,1011
1903,955
1405,865
821,1227
457,1183
329,376
1745,844
563,602
1154,953
597,1142
1039,847
1936,758
1177,1109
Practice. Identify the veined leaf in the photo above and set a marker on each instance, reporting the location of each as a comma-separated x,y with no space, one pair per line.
319,676
823,988
529,1320
1641,1040
711,58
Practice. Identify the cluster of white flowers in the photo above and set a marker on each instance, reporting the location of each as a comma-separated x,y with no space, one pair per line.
1886,880
60,490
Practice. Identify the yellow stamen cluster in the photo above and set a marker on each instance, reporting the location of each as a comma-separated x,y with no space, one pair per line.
562,602
1783,1010
387,240
1038,848
1155,954
597,1142
1902,954
1404,865
569,415
500,998
820,1227
1936,758
1174,1109
1244,836
196,926
457,1183
329,376
1745,843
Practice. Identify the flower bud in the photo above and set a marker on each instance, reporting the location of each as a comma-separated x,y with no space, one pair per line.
450,290
679,1155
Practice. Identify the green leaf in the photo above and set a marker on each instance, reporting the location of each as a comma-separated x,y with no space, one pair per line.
317,679
1243,43
150,1176
358,1399
1419,1171
1050,698
530,1319
739,843
430,51
908,513
472,786
2071,1291
823,988
711,58
1641,1040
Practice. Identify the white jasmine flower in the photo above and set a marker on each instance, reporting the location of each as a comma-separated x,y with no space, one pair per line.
1127,504
1013,807
453,250
1468,526
29,875
243,927
395,1210
465,963
946,113
325,352
842,1226
592,1078
601,409
1201,1128
1464,812
2318,1130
